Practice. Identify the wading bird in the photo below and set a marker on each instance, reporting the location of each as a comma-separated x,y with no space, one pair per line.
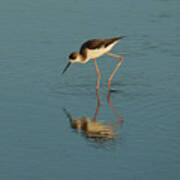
93,49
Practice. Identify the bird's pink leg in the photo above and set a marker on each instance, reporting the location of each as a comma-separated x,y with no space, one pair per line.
116,68
98,75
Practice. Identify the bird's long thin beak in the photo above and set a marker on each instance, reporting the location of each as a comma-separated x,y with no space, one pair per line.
67,114
69,63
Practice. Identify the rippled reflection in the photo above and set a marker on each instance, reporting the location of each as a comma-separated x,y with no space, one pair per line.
98,130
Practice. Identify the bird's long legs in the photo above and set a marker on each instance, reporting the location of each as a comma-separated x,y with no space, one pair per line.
98,75
116,68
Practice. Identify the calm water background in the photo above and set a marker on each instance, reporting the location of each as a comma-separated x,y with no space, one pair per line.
36,141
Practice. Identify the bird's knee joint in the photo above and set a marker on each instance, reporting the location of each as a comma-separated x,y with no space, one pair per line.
121,59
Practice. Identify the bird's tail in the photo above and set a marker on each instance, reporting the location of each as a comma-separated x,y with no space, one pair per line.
121,37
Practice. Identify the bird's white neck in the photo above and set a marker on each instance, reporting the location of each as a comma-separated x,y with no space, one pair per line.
82,59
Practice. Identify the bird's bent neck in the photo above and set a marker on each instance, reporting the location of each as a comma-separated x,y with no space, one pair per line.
83,59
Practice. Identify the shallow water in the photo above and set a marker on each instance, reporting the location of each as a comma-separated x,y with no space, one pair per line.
36,140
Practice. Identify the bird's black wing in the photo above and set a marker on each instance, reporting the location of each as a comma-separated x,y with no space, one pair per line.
91,44
97,43
107,42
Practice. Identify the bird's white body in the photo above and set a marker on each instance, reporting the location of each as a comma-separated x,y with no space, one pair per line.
95,53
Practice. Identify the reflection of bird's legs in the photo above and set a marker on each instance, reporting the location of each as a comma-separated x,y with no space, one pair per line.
98,105
114,109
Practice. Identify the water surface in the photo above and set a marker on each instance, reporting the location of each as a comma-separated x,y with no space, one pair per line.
36,140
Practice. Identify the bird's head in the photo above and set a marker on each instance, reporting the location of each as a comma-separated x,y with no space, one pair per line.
73,58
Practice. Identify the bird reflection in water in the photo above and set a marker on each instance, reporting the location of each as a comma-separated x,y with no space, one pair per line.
96,129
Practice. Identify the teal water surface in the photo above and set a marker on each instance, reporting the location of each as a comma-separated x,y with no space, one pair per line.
36,140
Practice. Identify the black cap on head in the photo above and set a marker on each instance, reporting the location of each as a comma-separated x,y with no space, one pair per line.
73,55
